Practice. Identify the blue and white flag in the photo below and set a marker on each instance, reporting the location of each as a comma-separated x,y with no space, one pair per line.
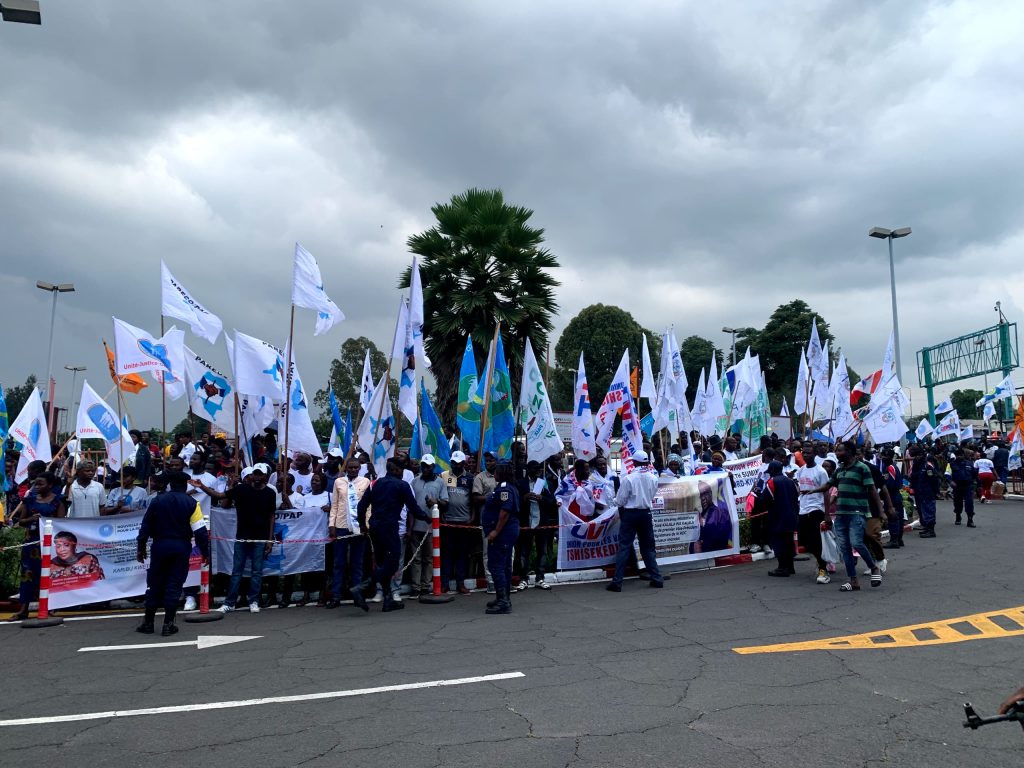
29,429
989,412
618,391
135,351
210,394
308,292
416,313
404,348
178,303
924,429
376,433
584,443
294,412
944,407
259,368
949,425
96,419
366,388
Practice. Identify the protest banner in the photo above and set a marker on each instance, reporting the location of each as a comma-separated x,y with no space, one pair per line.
694,519
299,535
587,544
94,560
744,474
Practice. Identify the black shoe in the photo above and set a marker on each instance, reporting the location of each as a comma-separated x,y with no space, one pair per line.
613,587
492,603
504,605
145,628
957,521
927,534
646,576
891,545
970,524
389,605
656,584
360,602
331,604
781,572
283,604
168,630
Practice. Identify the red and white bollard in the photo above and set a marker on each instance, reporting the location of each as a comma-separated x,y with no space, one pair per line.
44,619
204,591
435,536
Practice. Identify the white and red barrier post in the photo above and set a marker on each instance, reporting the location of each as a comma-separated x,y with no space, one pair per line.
44,619
435,536
205,614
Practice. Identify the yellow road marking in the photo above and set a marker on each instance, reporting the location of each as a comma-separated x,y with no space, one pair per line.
978,626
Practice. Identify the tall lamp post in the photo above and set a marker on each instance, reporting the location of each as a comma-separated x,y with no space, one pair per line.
891,234
54,289
75,369
733,331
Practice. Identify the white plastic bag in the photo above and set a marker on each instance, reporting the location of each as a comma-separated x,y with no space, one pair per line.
829,547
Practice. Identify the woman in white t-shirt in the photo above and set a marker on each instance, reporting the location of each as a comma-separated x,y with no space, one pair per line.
986,475
813,481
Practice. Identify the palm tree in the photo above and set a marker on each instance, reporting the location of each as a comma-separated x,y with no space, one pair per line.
482,263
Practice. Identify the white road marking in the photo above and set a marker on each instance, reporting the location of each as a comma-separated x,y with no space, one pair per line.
258,702
201,642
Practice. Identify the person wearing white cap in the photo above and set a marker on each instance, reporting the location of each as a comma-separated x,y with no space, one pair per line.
429,489
635,496
456,542
331,467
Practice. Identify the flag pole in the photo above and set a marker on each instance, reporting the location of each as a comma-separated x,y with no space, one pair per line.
288,393
386,381
124,402
234,397
163,390
487,394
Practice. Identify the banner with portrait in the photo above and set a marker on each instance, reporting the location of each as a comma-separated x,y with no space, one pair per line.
299,539
694,519
93,559
744,474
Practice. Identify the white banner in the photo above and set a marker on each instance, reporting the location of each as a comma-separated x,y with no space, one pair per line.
94,560
300,535
694,519
587,545
744,474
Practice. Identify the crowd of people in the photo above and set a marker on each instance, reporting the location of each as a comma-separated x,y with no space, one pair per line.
500,520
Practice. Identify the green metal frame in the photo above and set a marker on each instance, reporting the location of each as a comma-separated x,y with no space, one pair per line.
991,350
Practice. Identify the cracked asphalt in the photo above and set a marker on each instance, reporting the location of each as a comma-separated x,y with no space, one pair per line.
647,676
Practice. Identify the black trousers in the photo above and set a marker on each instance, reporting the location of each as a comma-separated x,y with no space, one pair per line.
387,551
168,569
963,500
782,546
809,534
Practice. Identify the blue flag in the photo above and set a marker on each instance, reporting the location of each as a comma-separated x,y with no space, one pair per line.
339,426
431,433
415,445
647,424
469,406
346,440
501,422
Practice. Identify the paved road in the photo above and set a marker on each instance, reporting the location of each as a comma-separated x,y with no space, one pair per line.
646,677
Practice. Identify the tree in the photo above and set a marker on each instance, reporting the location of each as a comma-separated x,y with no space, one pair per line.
481,263
964,400
696,352
601,332
778,346
192,425
16,397
346,377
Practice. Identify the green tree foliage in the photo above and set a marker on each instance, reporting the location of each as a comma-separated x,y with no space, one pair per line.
696,352
778,345
346,377
16,397
601,332
481,263
964,400
193,425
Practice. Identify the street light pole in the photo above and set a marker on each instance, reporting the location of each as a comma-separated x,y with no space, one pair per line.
890,235
733,332
53,289
74,378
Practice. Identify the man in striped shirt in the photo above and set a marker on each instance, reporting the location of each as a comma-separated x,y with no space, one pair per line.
857,492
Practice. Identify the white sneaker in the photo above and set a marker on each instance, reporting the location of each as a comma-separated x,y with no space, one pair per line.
254,607
883,565
396,596
378,597
866,572
823,577
190,603
225,608
768,553
754,549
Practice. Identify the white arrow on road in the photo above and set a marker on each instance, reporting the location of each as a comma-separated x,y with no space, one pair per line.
201,642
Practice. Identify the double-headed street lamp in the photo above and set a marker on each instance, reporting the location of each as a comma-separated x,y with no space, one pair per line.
891,234
75,369
54,289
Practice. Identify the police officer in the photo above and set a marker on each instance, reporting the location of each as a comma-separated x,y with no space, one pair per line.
500,520
171,520
924,479
963,477
388,496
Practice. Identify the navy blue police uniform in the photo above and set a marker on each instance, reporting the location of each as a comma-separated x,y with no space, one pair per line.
499,551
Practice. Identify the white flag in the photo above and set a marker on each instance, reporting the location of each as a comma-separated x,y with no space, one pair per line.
889,361
924,429
29,429
583,440
700,406
259,367
178,303
295,413
885,424
376,433
210,394
944,407
1016,447
803,383
716,405
172,377
618,391
404,349
366,388
784,413
308,292
967,433
990,412
96,419
542,440
135,350
1005,389
647,388
817,356
679,417
254,413
949,425
416,313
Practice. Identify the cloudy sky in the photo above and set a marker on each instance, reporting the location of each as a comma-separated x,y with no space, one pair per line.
695,163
